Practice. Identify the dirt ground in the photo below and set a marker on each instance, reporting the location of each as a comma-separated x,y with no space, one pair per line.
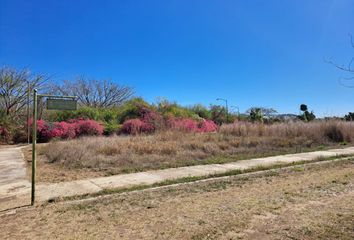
307,202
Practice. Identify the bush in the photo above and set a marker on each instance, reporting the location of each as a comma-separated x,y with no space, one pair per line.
191,125
20,135
132,109
183,124
172,109
63,130
43,131
4,134
208,126
87,127
153,119
334,133
7,126
111,129
136,126
201,111
67,130
97,114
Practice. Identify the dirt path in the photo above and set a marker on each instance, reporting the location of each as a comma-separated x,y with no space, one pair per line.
13,179
306,202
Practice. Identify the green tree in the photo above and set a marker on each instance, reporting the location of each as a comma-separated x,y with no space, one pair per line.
255,114
349,116
218,114
306,115
201,111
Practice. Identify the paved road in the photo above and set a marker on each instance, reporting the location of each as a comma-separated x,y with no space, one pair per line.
14,185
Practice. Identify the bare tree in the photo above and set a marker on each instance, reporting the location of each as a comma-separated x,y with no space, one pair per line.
348,68
14,87
95,93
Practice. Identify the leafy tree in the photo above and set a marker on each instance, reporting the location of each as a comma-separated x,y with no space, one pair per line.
306,116
218,114
133,109
167,108
255,114
349,116
310,115
303,107
201,111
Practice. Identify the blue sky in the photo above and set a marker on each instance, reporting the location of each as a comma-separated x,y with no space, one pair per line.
254,53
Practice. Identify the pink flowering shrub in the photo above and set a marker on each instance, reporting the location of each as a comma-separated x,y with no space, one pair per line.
87,127
136,126
183,124
191,125
43,131
67,130
64,130
208,126
143,120
152,121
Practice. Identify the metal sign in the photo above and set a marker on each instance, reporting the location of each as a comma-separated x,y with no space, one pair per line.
61,104
53,103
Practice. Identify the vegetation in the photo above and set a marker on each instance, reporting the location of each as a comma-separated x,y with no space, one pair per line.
94,93
111,108
306,116
102,156
349,116
15,86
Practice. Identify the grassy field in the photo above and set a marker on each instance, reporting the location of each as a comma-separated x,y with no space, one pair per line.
104,156
306,202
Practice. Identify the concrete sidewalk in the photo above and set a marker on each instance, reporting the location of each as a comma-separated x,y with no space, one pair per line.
94,185
14,185
45,192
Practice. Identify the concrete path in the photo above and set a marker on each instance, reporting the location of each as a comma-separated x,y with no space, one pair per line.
14,185
94,185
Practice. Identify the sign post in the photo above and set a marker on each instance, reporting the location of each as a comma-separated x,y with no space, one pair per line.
53,103
34,141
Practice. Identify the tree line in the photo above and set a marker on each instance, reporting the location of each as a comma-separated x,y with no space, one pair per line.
16,86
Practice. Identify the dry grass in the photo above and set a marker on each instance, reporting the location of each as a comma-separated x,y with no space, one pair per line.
318,131
308,202
104,156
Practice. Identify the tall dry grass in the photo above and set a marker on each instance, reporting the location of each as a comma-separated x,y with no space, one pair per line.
318,131
113,155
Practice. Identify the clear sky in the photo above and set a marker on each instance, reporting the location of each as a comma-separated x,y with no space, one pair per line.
254,53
